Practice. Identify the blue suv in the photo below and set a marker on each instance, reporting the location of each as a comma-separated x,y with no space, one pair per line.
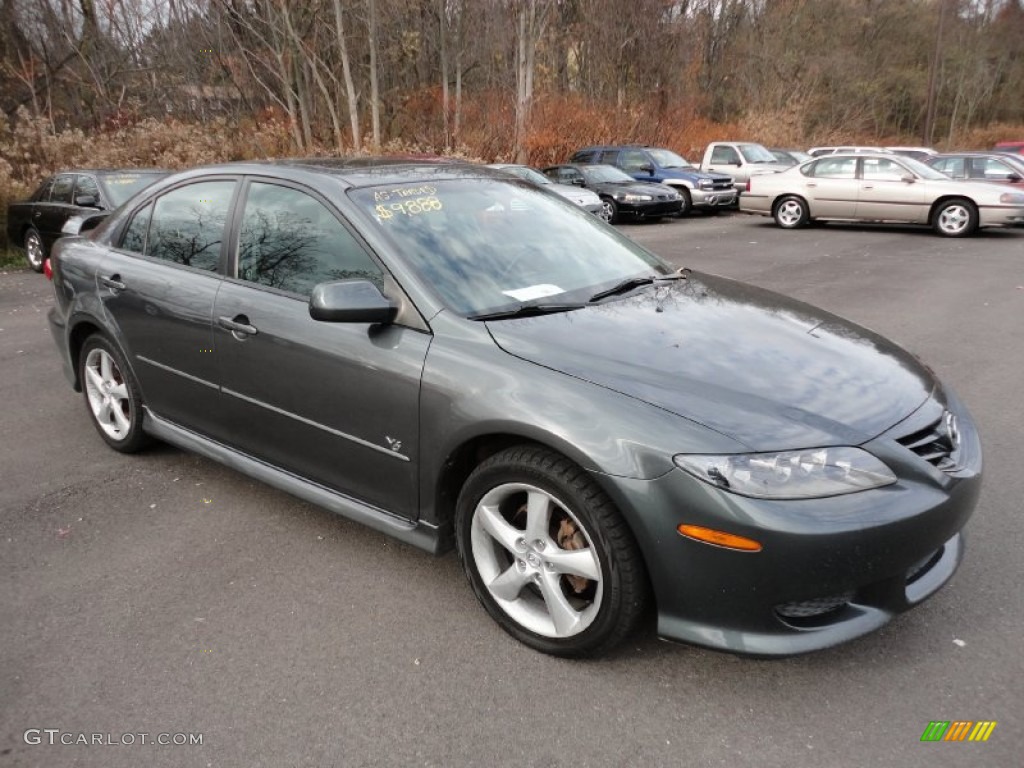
707,191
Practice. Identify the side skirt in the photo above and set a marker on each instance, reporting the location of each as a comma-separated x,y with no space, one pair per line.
421,535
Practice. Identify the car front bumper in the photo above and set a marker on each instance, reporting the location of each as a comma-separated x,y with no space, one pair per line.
1001,216
830,569
651,209
714,198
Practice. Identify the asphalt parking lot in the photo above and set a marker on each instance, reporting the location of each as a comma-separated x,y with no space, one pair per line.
165,594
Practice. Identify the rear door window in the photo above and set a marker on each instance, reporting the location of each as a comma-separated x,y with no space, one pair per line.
187,226
836,168
62,188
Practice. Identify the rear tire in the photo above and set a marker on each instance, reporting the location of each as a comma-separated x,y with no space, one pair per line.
790,212
35,253
112,395
548,555
955,218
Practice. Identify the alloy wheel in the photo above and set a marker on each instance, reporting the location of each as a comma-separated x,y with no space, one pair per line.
107,393
536,560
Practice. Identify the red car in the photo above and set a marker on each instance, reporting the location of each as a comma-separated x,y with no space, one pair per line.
1010,146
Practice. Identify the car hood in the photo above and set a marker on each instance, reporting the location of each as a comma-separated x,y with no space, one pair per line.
756,168
693,174
770,372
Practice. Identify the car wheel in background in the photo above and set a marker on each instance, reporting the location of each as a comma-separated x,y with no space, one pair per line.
548,554
955,218
111,395
34,251
791,212
609,210
687,202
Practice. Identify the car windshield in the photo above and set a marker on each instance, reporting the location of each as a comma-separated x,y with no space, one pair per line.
121,186
668,159
755,153
603,173
530,175
487,245
922,170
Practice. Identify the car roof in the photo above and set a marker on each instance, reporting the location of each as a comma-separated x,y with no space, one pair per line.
354,172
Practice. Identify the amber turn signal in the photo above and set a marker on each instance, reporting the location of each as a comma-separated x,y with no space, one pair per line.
719,538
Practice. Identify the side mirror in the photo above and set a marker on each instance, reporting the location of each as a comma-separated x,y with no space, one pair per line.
577,182
86,201
351,301
909,178
82,223
648,169
1014,178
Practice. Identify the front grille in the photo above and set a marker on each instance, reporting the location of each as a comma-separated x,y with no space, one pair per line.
818,606
720,184
935,443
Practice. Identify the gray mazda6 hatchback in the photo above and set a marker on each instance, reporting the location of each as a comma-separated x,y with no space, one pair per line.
459,359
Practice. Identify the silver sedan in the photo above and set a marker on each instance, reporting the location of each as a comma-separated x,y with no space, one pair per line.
584,198
880,187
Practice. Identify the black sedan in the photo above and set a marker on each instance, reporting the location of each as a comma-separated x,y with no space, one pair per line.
622,195
36,223
460,359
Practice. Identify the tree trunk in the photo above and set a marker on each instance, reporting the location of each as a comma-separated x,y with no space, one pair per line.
374,86
350,88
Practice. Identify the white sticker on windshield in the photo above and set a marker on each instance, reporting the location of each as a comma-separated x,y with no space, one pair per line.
534,292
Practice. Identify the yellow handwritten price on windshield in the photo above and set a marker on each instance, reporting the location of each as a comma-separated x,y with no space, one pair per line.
415,207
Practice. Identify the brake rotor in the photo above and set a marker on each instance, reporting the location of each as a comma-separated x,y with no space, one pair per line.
570,537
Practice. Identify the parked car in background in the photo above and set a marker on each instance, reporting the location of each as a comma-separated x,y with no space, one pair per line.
979,166
739,160
699,189
918,153
461,360
880,187
819,151
789,156
1017,147
36,223
621,194
584,198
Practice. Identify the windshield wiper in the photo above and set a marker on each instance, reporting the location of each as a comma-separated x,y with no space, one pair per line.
527,310
634,282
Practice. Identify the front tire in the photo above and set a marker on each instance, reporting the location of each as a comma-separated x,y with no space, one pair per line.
112,395
547,553
955,218
687,203
791,212
35,253
609,210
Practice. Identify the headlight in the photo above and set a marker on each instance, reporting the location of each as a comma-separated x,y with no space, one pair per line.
631,198
705,183
1012,198
809,474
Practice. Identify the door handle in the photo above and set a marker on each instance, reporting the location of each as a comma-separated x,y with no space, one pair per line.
113,282
238,325
868,186
37,214
811,184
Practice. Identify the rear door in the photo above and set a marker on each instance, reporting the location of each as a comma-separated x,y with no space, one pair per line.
158,288
832,188
337,403
50,216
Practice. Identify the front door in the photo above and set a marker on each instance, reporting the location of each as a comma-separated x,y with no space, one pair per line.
885,195
336,403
